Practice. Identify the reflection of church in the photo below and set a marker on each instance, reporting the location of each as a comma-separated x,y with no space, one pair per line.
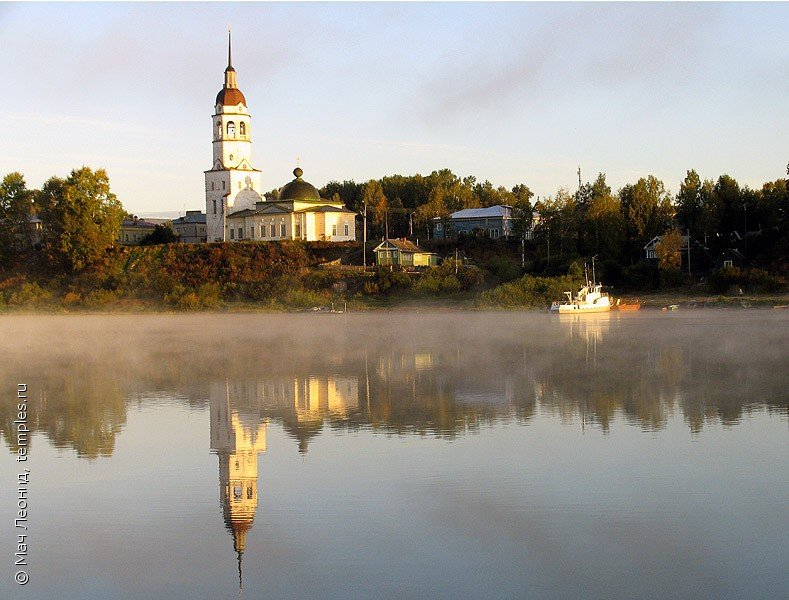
237,438
301,403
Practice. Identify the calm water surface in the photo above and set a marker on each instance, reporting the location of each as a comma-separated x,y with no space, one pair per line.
457,455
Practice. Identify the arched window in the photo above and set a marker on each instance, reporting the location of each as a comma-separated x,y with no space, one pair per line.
242,128
231,129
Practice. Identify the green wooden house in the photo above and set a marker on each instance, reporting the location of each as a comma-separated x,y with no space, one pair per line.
403,253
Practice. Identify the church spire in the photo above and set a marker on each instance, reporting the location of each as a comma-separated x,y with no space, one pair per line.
230,72
229,61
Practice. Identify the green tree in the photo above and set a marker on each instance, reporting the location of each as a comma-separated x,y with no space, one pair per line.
647,210
729,202
16,207
81,217
161,234
522,211
435,207
376,201
350,192
690,203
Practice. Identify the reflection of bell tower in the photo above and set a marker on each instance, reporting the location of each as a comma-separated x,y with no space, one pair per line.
237,442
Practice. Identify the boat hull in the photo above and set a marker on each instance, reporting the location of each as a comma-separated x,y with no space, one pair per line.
574,309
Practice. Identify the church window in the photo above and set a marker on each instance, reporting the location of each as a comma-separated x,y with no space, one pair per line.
346,229
252,232
237,491
334,229
240,233
262,231
273,230
232,233
242,128
223,185
297,230
212,185
214,201
282,230
249,492
231,129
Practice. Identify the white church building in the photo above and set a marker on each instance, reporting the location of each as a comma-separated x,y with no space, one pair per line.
236,209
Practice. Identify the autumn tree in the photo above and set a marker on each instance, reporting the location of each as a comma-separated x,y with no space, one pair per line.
81,217
669,251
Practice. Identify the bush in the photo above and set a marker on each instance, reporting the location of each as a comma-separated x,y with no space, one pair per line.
641,276
504,268
30,294
752,280
99,297
672,278
529,291
443,279
205,296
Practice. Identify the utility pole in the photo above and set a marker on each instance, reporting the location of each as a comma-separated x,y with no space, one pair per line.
364,236
523,251
745,232
224,218
579,182
689,274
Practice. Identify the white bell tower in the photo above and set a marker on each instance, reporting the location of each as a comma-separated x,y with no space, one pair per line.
232,184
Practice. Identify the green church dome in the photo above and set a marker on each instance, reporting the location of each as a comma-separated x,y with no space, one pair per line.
298,189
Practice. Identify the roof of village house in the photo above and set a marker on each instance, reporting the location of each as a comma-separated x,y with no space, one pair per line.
500,210
403,245
138,223
655,240
191,216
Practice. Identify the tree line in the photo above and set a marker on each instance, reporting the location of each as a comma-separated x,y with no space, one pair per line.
81,217
594,220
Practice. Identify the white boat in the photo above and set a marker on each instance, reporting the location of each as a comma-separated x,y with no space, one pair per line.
590,299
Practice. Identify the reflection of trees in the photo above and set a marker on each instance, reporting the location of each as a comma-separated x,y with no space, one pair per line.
80,410
442,376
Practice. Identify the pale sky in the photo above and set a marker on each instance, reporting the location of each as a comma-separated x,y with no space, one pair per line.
511,92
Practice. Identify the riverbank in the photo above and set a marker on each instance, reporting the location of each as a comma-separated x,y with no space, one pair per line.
303,277
460,303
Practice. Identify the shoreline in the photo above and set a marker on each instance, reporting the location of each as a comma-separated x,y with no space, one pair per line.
649,301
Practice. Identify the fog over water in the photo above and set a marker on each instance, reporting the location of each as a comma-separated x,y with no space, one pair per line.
549,456
439,373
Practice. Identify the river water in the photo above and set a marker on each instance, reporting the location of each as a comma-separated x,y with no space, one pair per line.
398,455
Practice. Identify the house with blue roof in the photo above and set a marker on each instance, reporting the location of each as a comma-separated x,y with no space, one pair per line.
492,221
190,228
